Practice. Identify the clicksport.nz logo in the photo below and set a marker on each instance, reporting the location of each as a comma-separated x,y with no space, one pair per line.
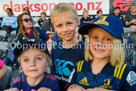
123,4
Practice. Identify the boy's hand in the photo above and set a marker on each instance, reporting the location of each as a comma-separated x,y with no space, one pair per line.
12,89
75,87
42,89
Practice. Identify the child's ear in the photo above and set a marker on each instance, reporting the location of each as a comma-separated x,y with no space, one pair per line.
77,22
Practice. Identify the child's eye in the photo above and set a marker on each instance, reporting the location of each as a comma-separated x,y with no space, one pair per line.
95,37
108,39
26,60
69,23
39,58
59,25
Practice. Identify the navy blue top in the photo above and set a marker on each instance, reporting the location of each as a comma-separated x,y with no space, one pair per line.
42,34
84,21
110,77
64,61
49,81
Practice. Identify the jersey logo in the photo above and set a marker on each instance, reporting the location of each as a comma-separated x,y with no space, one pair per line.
84,81
106,84
64,67
102,20
131,78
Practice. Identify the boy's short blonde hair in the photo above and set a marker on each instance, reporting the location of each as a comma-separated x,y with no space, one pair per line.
117,57
63,8
85,11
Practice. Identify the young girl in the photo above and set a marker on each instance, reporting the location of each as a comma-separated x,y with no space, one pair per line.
103,67
34,58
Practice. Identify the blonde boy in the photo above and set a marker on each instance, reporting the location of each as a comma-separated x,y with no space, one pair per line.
68,51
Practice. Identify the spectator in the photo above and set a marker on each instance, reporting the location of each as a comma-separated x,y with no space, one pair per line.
103,68
42,19
26,10
85,18
69,50
34,59
130,20
27,31
99,13
48,28
9,23
117,13
5,76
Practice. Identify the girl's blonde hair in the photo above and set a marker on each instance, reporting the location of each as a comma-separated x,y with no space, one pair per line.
63,8
21,27
117,57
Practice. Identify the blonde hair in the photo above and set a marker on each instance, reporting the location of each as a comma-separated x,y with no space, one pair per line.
46,56
85,11
117,57
21,27
63,8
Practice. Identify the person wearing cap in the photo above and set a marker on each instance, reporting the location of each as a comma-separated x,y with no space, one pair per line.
103,68
33,56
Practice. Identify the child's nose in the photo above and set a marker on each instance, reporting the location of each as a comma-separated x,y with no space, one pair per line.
65,28
32,63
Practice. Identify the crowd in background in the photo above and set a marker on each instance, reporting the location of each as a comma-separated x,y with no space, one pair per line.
28,29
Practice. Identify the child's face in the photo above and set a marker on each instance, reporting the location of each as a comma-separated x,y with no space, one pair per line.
65,26
85,14
33,63
101,41
133,9
116,11
43,15
100,13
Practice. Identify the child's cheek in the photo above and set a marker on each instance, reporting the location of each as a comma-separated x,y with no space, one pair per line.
42,66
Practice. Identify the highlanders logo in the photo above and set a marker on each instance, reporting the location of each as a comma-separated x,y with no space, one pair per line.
123,4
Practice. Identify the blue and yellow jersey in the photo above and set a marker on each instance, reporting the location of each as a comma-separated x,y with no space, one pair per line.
113,78
42,34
